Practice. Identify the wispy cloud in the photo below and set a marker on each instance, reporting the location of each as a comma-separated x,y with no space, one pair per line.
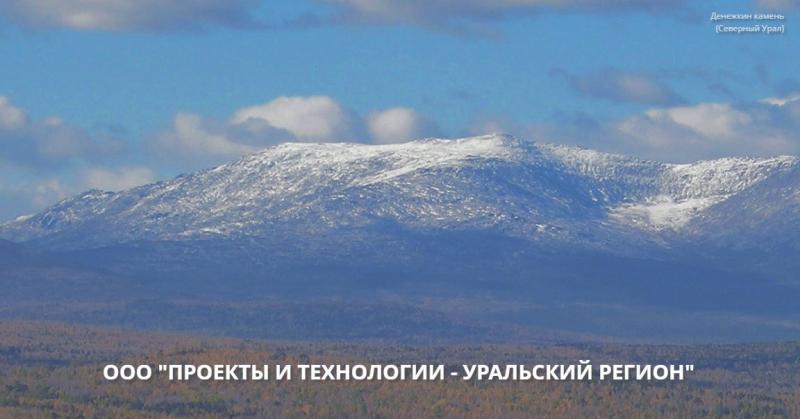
115,179
621,86
131,15
311,118
779,5
469,16
431,12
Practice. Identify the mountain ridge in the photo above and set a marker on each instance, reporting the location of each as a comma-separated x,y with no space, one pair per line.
530,190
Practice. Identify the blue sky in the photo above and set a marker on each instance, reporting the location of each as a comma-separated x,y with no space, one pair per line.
113,94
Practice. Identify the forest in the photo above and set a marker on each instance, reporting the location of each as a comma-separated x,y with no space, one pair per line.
54,370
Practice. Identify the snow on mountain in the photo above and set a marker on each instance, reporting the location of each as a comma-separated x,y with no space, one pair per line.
766,213
498,183
685,191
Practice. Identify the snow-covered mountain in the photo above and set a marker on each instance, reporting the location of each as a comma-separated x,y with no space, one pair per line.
490,183
490,231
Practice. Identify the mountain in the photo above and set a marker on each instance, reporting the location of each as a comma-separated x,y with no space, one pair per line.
525,190
491,228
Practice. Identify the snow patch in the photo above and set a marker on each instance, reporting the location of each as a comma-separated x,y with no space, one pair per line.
662,212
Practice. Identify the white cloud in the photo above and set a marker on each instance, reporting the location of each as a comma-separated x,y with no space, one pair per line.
710,130
713,120
46,160
116,179
160,15
120,15
191,137
679,134
20,195
201,142
781,101
48,191
46,144
398,125
11,117
310,118
28,193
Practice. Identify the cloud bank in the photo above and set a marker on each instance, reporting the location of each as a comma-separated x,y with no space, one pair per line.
678,134
200,142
